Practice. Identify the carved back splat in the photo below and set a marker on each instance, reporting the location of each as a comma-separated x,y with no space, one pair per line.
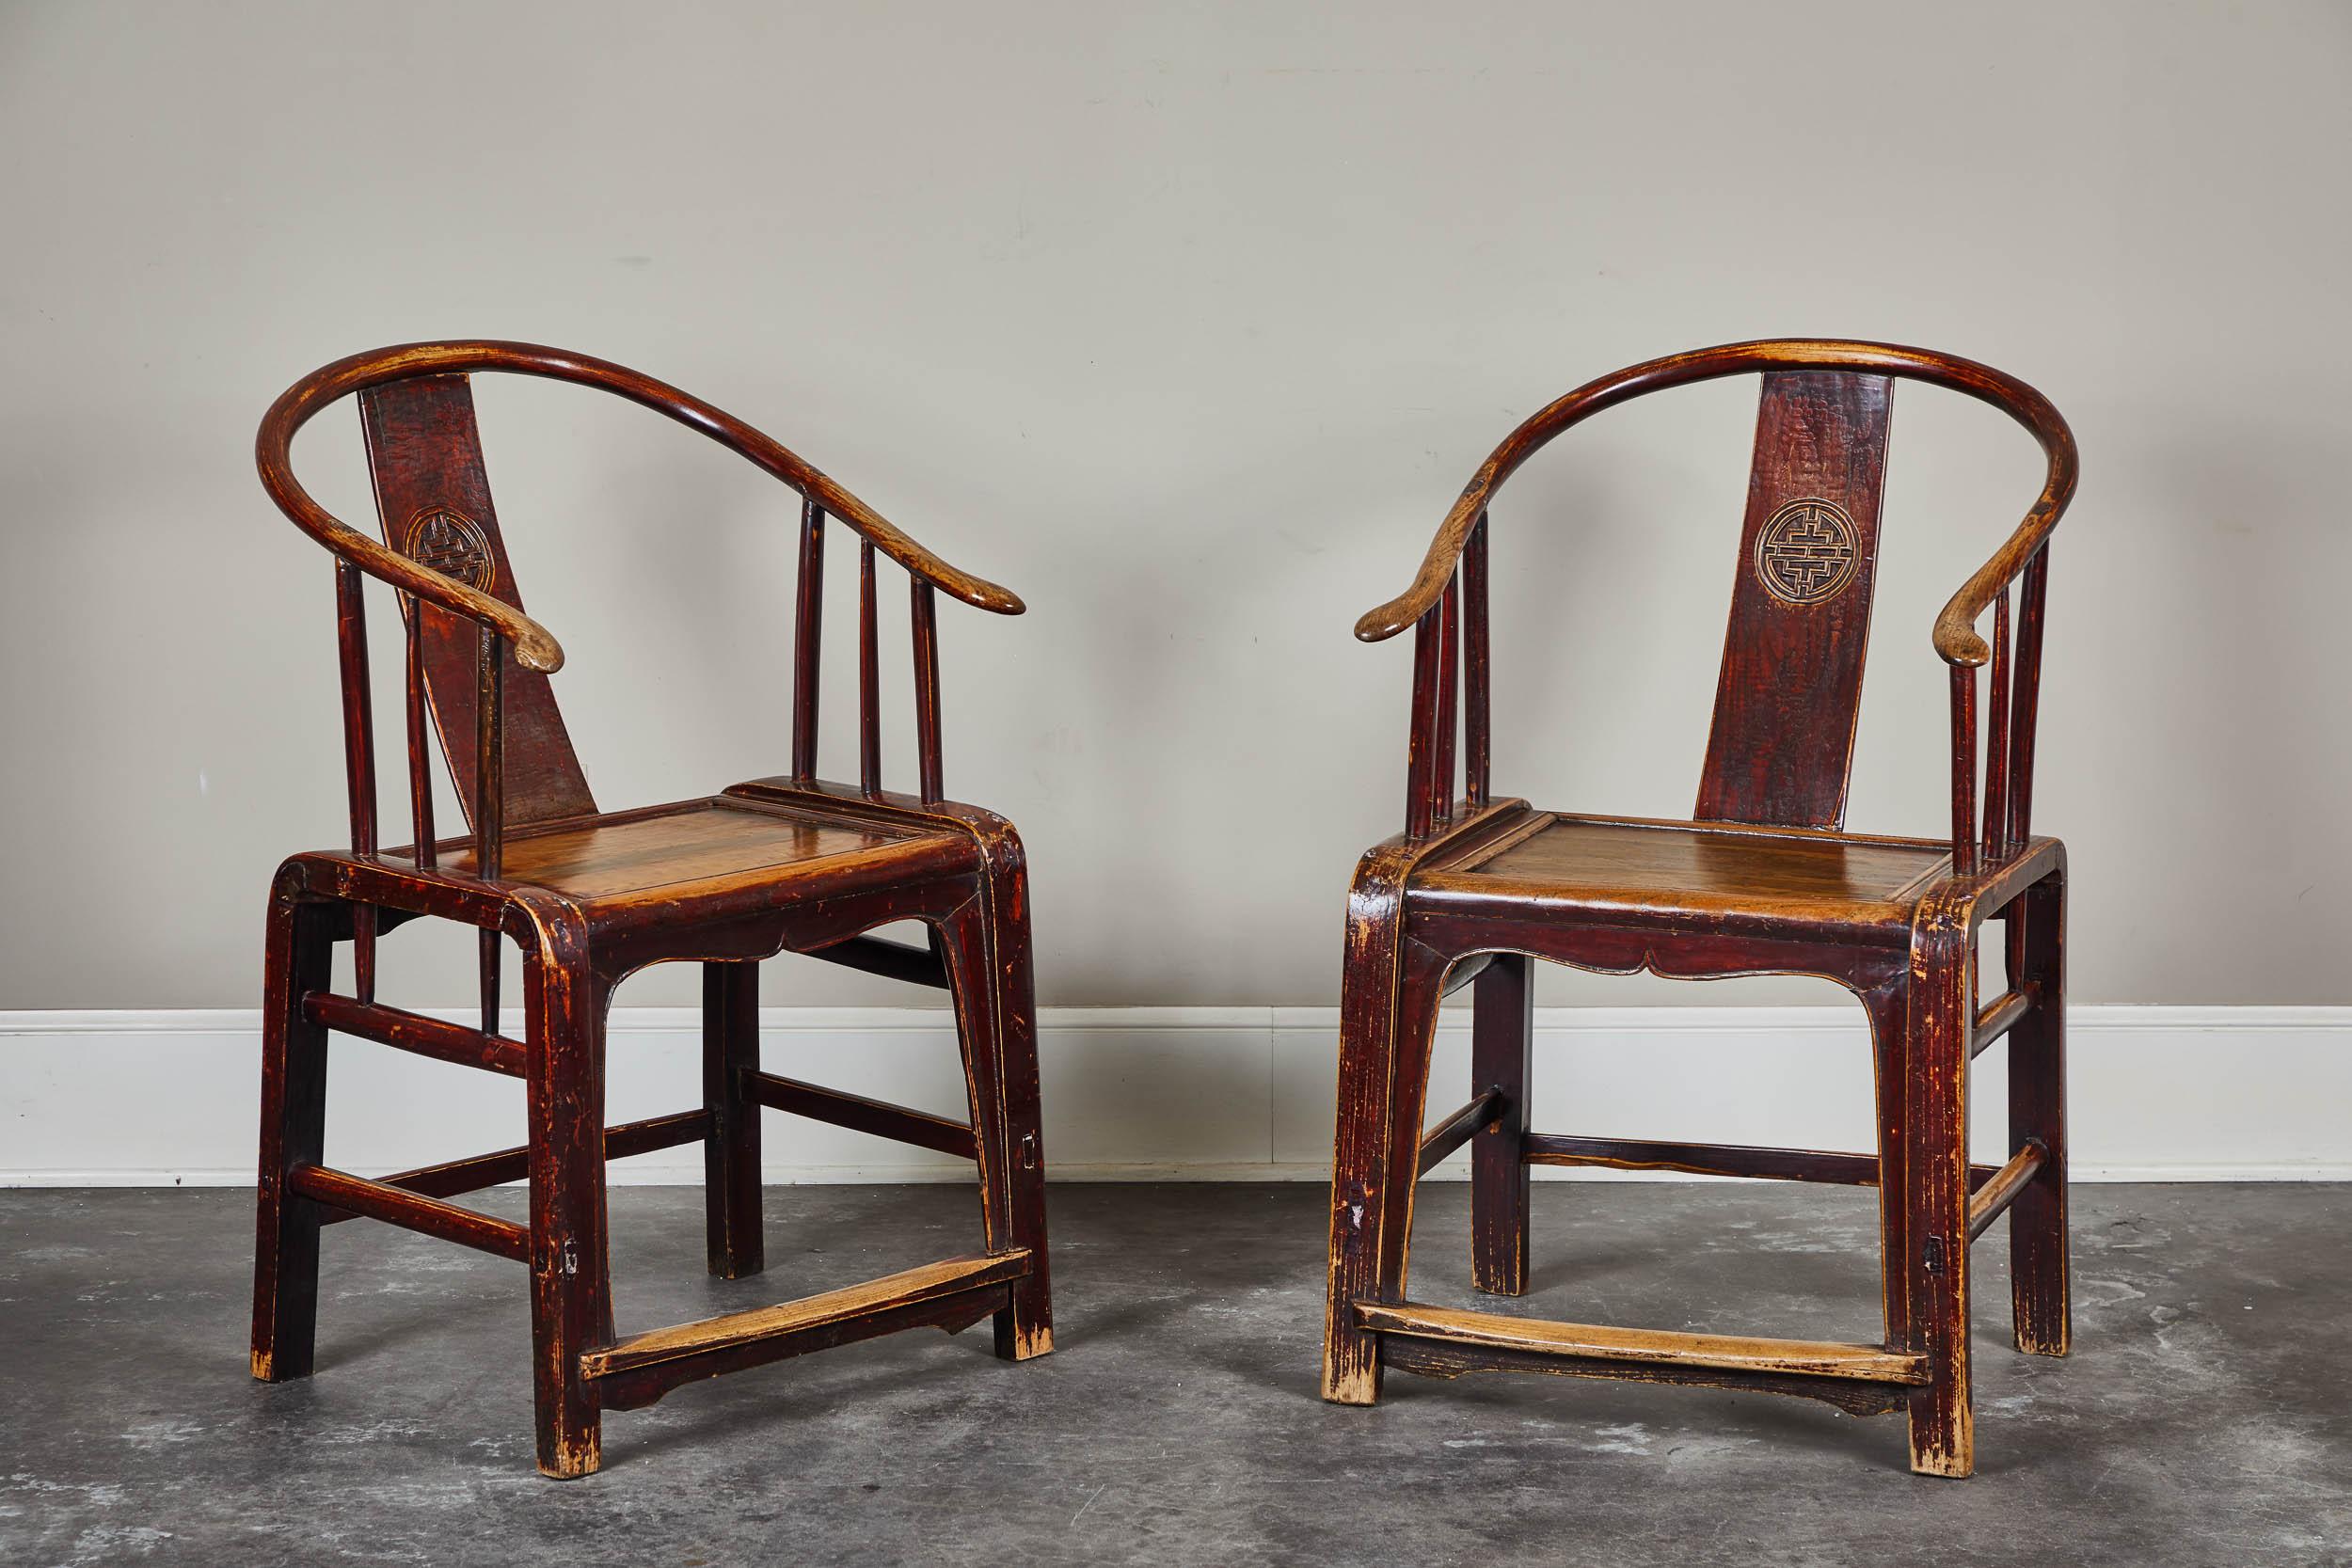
1782,746
433,502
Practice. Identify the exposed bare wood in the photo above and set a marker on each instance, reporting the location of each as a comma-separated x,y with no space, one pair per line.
902,1289
1595,1342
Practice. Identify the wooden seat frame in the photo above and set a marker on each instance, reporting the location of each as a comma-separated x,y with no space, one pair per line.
1424,921
839,859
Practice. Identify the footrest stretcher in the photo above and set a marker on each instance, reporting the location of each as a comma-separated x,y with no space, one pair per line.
1446,1342
952,1294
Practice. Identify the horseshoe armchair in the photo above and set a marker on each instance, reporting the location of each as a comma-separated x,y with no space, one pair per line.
791,862
1761,878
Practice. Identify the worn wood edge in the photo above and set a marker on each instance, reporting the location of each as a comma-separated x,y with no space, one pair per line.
1438,1358
1663,1347
948,1276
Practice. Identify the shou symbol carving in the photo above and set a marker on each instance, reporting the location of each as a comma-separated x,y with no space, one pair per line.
453,545
1808,552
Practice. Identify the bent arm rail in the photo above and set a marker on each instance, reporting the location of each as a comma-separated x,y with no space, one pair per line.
1955,636
535,648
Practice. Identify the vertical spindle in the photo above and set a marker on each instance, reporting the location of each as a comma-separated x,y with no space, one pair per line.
806,633
489,826
1996,832
420,758
1417,748
868,676
926,689
1477,765
1963,768
2028,698
351,634
1448,679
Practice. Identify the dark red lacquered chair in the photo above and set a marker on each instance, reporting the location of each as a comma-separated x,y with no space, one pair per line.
1761,879
790,863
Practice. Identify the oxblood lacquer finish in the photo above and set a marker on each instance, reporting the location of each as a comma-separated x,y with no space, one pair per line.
785,864
1761,878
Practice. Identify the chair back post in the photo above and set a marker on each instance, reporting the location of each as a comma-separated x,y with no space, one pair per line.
868,676
420,759
926,623
1996,758
1964,768
2026,704
1449,686
351,638
1477,763
808,640
489,814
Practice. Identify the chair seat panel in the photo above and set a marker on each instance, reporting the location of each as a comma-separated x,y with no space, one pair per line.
718,842
1628,864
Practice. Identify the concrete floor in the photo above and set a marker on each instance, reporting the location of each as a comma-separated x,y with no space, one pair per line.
2202,1419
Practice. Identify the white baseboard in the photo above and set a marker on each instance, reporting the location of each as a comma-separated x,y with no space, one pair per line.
2157,1094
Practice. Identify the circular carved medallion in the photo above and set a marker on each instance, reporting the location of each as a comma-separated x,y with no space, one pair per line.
453,545
1808,552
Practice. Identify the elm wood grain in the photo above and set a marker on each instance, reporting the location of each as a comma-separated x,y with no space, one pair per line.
1596,1342
1781,748
432,507
955,1310
410,1211
1444,1358
860,1114
455,1178
590,896
407,1031
731,1330
1762,879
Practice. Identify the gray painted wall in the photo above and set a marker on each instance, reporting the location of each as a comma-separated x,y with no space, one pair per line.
1187,325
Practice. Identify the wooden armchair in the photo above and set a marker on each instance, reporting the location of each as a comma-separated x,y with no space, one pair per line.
1762,879
790,863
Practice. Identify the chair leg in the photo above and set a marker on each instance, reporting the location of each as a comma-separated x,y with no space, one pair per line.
2037,1108
985,947
731,1204
1502,1029
571,1301
300,955
1936,1199
1387,1019
1888,1004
